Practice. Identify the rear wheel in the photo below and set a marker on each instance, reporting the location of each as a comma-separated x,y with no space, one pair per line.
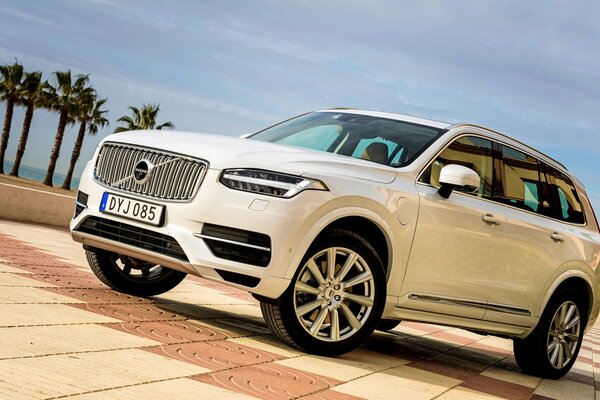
551,349
335,299
132,276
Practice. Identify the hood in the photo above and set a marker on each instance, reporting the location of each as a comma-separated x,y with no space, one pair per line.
224,152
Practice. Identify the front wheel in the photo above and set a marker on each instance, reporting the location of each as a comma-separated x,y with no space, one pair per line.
551,349
130,275
335,299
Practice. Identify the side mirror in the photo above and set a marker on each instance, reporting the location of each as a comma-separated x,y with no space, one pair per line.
457,177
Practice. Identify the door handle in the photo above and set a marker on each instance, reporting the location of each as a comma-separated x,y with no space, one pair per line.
557,237
490,219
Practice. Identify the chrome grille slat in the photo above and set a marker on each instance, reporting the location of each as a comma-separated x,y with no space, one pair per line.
178,180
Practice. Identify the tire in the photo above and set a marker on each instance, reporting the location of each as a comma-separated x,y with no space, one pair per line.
132,276
331,311
385,325
551,349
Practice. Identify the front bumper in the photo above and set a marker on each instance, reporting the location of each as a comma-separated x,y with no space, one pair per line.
282,220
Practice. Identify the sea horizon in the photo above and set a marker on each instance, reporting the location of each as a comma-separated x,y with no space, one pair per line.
38,174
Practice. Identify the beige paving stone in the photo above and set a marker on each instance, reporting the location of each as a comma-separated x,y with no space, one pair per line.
505,344
21,280
6,268
187,286
565,389
30,295
180,389
81,373
268,343
349,366
512,376
197,311
47,314
201,295
402,382
460,393
46,340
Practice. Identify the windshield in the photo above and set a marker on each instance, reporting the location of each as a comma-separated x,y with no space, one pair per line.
384,141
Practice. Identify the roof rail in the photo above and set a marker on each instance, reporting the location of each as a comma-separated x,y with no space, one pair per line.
510,138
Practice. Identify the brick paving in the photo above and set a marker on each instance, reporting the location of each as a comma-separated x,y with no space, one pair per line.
63,334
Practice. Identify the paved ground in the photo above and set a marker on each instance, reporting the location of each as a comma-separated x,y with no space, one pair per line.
65,335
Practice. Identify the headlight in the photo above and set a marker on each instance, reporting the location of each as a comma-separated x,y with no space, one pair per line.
269,183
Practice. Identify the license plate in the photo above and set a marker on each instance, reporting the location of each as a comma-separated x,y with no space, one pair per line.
137,210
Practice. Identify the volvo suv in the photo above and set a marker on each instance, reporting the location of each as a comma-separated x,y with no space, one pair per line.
343,221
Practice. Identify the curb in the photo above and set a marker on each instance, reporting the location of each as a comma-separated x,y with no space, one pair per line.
31,205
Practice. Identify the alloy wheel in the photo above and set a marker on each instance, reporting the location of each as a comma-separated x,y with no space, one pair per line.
563,334
334,294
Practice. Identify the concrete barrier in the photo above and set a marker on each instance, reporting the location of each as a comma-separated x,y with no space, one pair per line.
31,205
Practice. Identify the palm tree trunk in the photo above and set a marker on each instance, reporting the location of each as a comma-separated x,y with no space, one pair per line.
10,104
60,132
74,156
23,139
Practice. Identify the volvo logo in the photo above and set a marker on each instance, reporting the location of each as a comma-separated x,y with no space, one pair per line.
142,171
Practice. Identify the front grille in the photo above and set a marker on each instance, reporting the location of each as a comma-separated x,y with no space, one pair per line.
133,236
174,177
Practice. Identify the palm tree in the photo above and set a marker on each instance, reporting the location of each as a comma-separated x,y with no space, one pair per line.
34,94
10,91
91,117
64,100
144,118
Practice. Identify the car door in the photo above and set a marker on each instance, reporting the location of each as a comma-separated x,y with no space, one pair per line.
539,199
451,264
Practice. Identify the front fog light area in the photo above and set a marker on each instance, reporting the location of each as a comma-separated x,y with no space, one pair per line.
268,183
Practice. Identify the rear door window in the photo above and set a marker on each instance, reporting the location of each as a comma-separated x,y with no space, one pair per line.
519,180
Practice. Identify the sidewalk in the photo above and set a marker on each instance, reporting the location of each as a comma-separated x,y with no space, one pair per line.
63,334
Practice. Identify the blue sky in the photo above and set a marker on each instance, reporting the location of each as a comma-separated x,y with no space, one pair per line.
528,69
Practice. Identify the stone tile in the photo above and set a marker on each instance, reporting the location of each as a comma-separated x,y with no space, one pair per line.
6,268
46,314
513,376
44,340
171,331
131,312
99,295
30,295
215,355
349,366
268,343
331,395
497,387
565,389
90,282
74,374
461,393
196,311
23,280
180,389
402,382
269,381
206,296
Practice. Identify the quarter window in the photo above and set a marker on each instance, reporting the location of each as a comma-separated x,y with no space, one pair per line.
469,151
565,205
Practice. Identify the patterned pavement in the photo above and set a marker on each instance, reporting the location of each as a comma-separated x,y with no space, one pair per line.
63,334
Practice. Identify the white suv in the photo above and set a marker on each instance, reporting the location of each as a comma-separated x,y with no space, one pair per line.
344,221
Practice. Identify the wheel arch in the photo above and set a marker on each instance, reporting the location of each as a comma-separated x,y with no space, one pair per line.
363,222
574,279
